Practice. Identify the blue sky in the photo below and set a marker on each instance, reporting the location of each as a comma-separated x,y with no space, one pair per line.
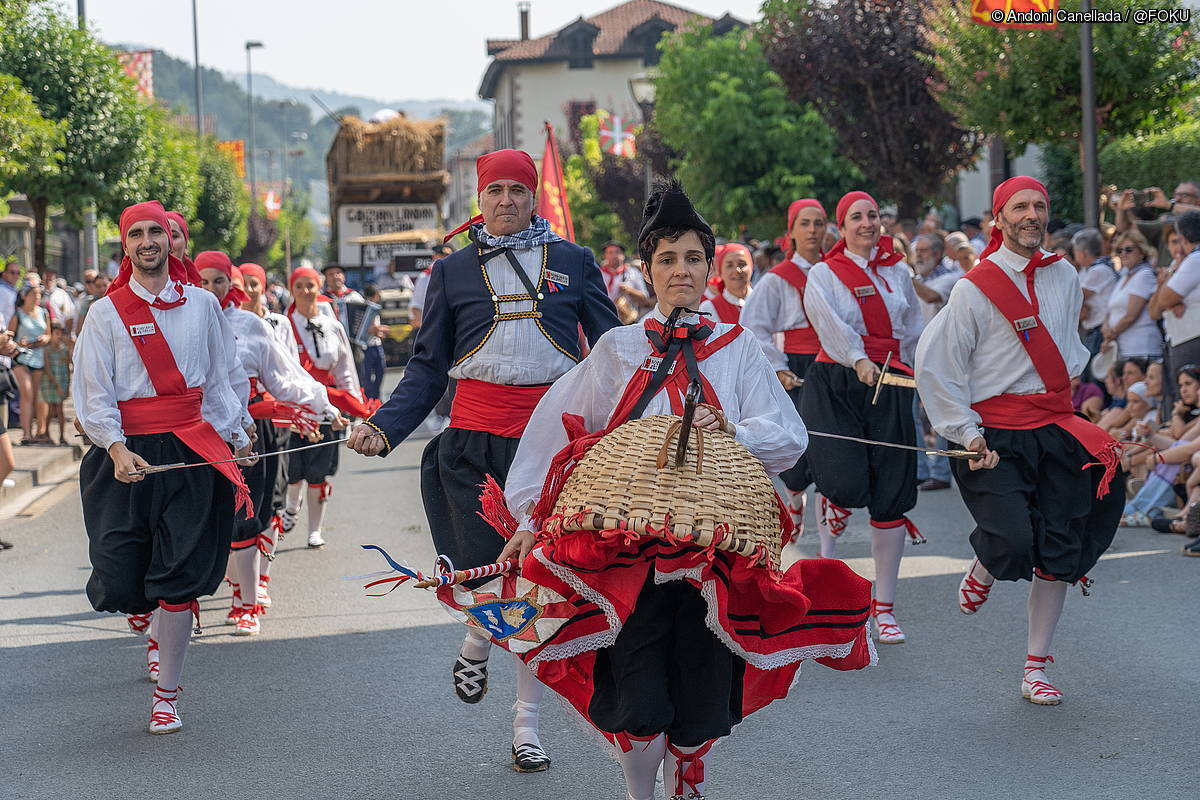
390,49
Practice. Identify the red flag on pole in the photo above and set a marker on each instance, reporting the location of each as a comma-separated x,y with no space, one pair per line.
552,194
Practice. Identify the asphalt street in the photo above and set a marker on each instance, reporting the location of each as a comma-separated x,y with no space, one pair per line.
346,696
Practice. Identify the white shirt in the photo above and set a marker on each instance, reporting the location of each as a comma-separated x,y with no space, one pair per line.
1100,279
970,352
1142,338
281,330
707,306
109,370
417,300
630,277
329,349
63,306
264,358
8,302
836,313
1186,283
941,279
517,353
751,397
775,306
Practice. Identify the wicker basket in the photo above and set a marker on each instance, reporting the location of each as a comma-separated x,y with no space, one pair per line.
628,480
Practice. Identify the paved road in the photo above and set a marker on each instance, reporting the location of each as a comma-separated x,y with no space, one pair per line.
344,696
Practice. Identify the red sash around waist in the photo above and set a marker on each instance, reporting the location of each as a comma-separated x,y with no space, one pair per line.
176,408
801,341
493,407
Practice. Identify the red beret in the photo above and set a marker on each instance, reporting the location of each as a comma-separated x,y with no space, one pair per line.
849,199
214,259
255,270
506,165
794,210
177,217
1006,190
151,210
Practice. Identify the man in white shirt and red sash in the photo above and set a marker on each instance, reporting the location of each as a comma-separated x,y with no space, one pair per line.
502,318
152,385
777,307
994,370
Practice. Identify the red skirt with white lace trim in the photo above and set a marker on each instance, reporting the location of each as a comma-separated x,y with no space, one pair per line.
815,610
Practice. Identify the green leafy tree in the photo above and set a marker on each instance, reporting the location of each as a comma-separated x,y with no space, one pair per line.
75,80
222,205
172,167
30,145
598,191
747,151
1024,85
1162,159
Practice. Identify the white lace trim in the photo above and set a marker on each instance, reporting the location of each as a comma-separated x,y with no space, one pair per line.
583,644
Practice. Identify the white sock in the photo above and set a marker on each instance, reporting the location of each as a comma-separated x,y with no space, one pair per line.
1046,599
174,631
152,631
476,646
293,497
529,700
641,765
796,506
887,547
264,564
245,571
678,763
827,539
316,509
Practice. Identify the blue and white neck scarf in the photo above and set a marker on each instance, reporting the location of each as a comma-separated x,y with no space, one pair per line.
537,234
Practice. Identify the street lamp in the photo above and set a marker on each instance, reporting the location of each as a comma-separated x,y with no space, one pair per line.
644,90
250,108
196,58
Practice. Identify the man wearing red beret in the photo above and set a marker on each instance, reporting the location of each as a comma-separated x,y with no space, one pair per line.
152,385
502,317
994,369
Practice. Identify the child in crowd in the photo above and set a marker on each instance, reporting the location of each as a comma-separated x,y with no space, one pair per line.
56,383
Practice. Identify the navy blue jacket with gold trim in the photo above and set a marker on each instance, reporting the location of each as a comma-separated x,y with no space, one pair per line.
459,314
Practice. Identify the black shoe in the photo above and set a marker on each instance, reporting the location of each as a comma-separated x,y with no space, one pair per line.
932,485
1162,525
5,545
1192,549
530,758
470,679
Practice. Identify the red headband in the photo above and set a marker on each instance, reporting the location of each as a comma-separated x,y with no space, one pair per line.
177,217
849,199
794,211
255,270
237,278
215,259
150,210
304,272
506,165
1006,190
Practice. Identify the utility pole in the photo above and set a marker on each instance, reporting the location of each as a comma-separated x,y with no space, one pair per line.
196,58
250,109
1091,169
90,252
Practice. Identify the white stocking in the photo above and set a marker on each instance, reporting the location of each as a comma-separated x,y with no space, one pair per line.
640,766
316,509
293,497
174,631
827,539
529,700
887,547
245,572
476,646
264,564
1046,600
152,631
684,769
796,505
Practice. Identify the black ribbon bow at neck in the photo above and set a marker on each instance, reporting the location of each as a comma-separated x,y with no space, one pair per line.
673,339
317,333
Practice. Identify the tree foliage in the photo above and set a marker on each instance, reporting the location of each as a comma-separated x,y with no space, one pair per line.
1024,85
745,150
30,144
596,222
863,64
1162,159
222,204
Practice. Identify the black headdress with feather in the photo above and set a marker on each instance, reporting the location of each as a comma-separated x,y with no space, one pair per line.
668,206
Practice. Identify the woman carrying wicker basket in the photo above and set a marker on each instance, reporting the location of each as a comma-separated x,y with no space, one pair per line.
651,594
861,301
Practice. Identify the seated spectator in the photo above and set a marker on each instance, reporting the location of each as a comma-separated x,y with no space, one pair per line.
1087,398
1128,326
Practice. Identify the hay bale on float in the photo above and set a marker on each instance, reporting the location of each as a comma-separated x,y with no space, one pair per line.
395,160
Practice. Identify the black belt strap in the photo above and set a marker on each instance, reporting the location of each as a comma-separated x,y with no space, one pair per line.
516,265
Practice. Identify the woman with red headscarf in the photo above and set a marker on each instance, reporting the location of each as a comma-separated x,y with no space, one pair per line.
861,301
294,396
776,309
995,368
734,265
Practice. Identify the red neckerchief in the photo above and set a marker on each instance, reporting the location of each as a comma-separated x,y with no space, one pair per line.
176,407
1052,407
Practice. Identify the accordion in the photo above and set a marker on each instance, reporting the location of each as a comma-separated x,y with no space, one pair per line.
358,319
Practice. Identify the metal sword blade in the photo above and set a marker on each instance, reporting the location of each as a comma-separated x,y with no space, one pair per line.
968,454
153,469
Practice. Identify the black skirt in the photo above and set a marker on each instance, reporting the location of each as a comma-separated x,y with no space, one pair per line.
262,479
453,468
852,475
667,672
316,465
1038,507
165,538
799,477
